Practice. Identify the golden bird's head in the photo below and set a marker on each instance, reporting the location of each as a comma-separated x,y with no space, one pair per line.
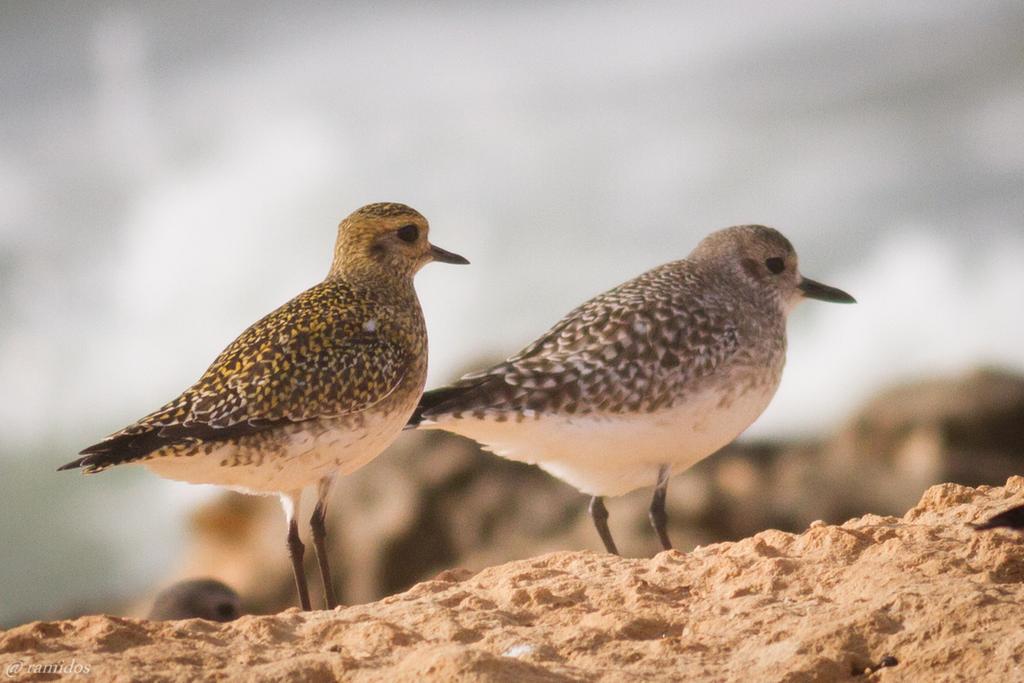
386,239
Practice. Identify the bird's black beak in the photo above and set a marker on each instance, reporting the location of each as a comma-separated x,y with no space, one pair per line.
444,256
816,290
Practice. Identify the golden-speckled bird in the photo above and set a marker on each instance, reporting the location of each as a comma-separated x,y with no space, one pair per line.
317,388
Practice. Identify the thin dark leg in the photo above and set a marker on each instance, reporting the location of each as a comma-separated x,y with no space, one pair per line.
659,518
296,551
316,523
600,515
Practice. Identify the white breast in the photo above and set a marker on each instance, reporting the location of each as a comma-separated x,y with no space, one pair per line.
298,460
609,455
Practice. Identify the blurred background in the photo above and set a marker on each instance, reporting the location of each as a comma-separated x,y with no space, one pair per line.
171,171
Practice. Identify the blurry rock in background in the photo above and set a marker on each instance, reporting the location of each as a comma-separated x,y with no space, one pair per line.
435,501
197,599
968,430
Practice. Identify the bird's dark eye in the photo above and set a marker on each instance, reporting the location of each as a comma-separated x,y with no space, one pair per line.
776,265
408,233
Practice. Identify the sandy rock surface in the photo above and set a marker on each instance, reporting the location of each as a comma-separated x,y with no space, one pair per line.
922,597
436,501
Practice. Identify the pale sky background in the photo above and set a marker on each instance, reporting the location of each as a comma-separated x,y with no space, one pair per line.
171,171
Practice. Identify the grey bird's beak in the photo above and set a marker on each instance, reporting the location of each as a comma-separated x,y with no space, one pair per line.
444,256
815,290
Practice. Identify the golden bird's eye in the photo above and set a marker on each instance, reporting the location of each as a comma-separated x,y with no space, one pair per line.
408,233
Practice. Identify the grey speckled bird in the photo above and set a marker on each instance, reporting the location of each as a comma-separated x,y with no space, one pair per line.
315,389
197,599
645,380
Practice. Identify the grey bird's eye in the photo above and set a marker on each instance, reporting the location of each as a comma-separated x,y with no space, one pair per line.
408,233
775,264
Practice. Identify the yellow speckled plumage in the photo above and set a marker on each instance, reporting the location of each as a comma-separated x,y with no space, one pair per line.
312,358
319,386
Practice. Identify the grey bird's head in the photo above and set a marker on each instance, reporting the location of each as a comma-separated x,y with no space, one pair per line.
386,239
763,258
197,599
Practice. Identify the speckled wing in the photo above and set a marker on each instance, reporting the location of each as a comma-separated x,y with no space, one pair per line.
633,348
313,357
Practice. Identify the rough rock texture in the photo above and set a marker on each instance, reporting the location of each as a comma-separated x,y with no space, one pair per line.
922,597
435,501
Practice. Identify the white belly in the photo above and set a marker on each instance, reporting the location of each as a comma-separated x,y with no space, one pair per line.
300,459
609,455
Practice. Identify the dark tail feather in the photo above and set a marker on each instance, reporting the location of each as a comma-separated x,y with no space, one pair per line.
116,450
435,401
96,462
75,464
132,446
1011,519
